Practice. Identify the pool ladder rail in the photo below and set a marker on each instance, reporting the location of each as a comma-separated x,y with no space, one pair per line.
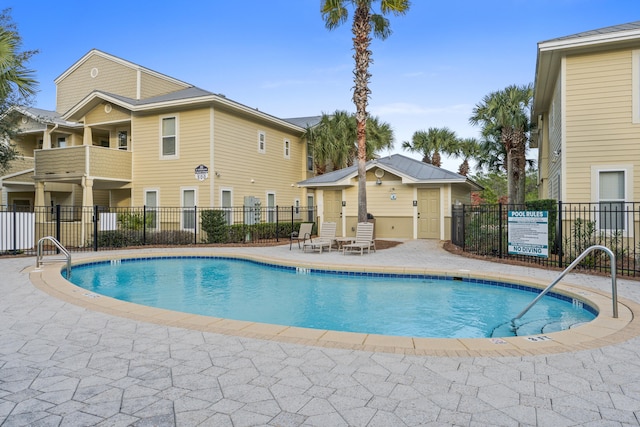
614,291
57,244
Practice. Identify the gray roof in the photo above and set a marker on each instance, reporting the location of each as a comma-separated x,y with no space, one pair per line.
47,116
600,31
409,169
304,122
183,94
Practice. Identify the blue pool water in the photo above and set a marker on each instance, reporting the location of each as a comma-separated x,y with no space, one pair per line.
378,304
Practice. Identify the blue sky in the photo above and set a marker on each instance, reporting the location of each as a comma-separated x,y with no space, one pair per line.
277,56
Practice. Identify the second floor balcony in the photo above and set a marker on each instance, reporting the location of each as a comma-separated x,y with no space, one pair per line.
70,164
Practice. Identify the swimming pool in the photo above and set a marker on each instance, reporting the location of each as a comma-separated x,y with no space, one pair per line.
387,304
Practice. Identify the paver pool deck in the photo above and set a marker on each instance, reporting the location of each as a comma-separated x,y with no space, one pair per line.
78,359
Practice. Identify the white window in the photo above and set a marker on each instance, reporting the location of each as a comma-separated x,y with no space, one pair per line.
311,217
309,157
271,207
287,149
296,210
123,140
169,137
635,86
62,142
150,205
189,209
226,205
262,142
611,197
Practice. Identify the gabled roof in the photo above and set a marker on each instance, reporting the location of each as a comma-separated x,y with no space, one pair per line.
411,171
185,97
129,64
551,52
44,116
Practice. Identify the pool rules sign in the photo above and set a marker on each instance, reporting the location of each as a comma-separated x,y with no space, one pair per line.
529,233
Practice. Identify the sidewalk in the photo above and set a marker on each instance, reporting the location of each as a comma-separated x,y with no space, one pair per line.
61,364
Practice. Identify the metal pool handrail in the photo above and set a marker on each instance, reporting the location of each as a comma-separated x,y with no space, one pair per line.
58,245
614,291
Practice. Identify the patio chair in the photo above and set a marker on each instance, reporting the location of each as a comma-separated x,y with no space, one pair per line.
325,239
303,233
364,239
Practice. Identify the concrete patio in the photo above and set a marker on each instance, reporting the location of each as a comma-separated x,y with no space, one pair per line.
62,364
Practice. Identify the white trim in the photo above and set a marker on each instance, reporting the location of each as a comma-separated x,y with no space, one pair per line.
563,127
212,176
627,170
584,41
635,86
262,142
271,209
183,190
144,202
229,214
177,137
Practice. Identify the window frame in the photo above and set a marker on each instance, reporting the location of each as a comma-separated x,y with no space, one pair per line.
262,142
627,171
635,86
309,157
287,148
176,136
188,209
270,196
228,210
152,209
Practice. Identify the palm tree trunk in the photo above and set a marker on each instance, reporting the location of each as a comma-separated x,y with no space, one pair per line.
361,41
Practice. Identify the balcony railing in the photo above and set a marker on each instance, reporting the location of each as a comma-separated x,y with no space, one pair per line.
74,162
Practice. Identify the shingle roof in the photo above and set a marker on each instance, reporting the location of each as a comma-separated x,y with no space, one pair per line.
410,169
47,116
600,31
304,122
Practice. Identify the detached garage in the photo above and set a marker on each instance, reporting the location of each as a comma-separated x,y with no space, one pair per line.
406,198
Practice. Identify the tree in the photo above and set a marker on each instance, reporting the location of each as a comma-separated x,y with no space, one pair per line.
365,22
504,116
333,140
468,148
495,186
432,143
17,83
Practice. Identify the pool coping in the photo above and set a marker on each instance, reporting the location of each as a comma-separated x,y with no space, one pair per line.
602,331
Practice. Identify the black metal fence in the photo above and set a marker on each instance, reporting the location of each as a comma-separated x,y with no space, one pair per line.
99,228
573,227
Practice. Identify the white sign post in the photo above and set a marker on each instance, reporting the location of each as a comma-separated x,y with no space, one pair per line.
529,233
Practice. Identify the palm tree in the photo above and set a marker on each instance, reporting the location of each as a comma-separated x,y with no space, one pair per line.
365,22
333,140
17,83
432,143
468,148
506,113
13,73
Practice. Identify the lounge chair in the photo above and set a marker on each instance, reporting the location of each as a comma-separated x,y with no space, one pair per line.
364,239
303,234
325,239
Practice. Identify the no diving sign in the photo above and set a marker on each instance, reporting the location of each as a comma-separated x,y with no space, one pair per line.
528,233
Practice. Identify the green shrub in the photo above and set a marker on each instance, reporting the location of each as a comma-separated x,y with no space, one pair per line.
214,224
119,239
133,221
